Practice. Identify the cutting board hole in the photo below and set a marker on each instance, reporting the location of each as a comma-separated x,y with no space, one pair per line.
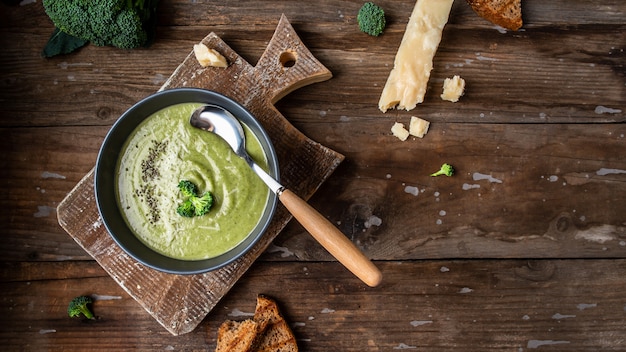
288,59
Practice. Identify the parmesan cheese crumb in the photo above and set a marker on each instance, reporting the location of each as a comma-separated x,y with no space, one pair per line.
399,131
418,127
453,89
209,57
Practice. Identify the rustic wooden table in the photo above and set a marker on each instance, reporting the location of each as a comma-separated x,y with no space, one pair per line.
523,249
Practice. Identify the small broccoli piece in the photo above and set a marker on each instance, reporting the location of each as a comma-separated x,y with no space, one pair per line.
446,169
186,209
187,188
78,306
202,204
193,205
371,19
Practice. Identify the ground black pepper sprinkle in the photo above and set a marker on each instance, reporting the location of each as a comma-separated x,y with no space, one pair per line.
150,173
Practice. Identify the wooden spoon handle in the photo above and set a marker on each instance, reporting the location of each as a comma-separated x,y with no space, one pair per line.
335,242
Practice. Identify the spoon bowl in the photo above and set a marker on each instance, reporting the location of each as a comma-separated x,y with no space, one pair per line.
215,119
211,118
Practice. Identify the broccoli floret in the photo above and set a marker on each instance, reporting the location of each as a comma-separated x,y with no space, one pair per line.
203,203
187,188
446,169
371,19
135,36
125,24
78,306
186,209
193,205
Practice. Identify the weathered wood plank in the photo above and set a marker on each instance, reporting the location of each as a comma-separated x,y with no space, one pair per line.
508,305
555,192
519,191
572,68
182,13
39,166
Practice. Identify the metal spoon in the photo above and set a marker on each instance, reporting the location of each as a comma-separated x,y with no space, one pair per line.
215,119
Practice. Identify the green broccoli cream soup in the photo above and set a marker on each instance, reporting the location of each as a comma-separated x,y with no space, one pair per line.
165,149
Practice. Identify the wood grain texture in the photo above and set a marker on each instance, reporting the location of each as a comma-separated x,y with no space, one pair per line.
504,305
544,113
549,172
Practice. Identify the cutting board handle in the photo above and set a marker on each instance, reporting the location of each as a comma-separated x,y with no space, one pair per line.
287,64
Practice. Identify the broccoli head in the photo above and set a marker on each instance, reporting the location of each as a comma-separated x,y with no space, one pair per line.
186,209
125,24
193,205
371,19
202,204
78,306
446,169
187,188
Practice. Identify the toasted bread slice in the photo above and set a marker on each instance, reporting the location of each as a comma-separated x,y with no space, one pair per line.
235,336
267,331
275,334
504,13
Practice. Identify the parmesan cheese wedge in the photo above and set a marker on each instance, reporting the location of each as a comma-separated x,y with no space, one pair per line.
407,82
208,57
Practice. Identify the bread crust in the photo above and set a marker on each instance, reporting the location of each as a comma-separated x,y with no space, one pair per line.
277,335
504,13
234,336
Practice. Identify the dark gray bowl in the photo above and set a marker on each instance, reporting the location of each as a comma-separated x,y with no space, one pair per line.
105,180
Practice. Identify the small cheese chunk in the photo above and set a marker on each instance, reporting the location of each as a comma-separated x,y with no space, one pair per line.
407,81
209,57
399,131
453,89
418,127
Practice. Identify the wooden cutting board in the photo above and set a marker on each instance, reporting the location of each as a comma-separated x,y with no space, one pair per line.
181,302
